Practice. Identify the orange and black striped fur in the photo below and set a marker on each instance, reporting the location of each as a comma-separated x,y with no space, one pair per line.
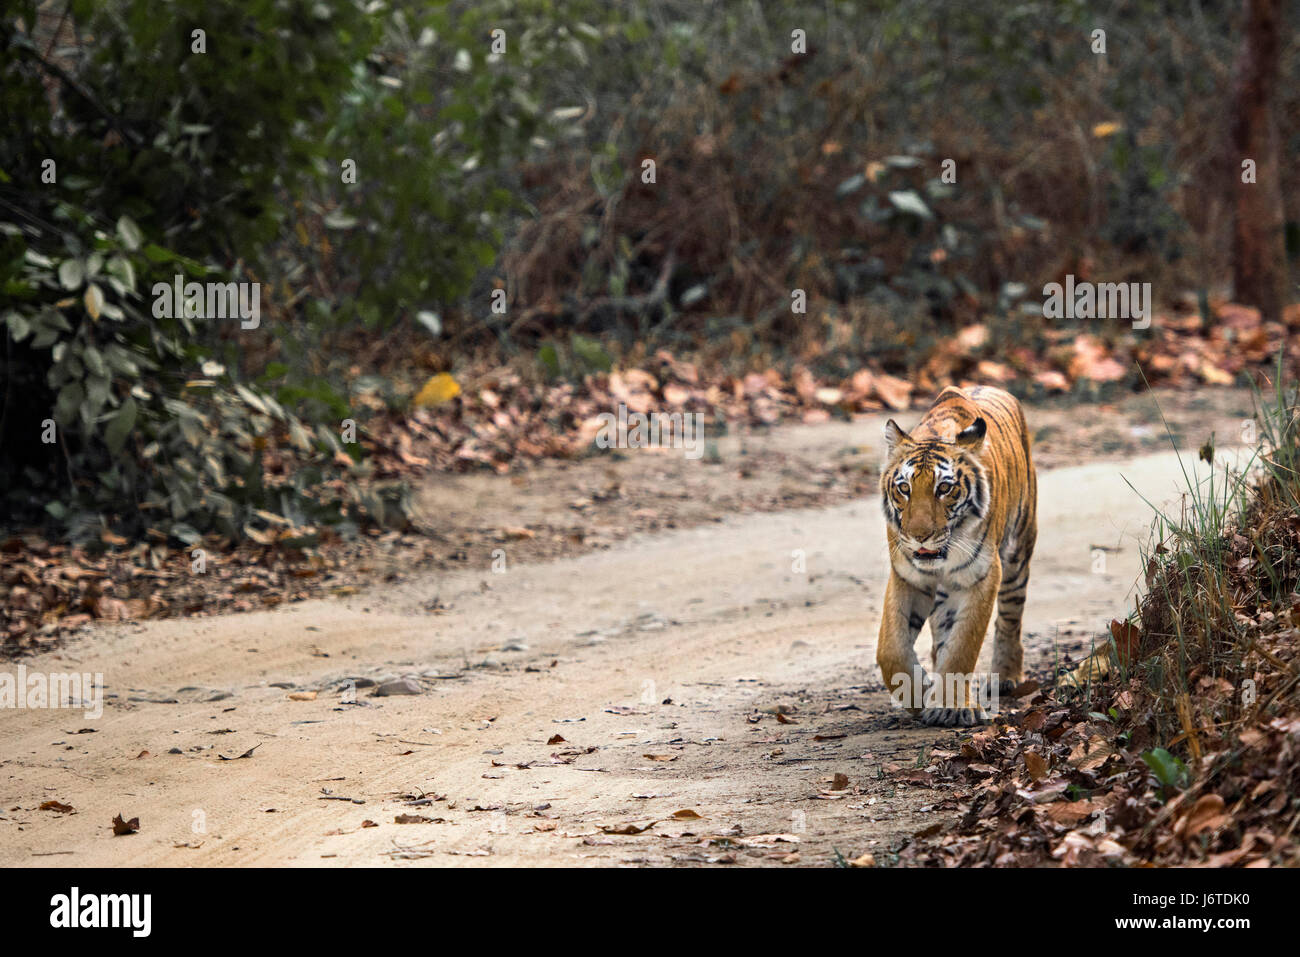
961,502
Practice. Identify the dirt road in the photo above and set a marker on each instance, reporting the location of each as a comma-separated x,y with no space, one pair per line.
556,702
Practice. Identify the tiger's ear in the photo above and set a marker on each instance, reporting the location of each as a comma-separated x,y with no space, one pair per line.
893,435
972,437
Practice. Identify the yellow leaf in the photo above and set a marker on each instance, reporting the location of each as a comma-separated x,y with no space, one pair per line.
94,300
1102,130
441,388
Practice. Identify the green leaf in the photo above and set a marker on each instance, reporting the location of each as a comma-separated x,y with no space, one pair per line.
907,201
45,337
68,404
121,361
337,219
431,321
850,185
591,353
120,268
19,326
1169,771
186,533
129,233
72,272
253,399
94,361
97,391
550,359
120,426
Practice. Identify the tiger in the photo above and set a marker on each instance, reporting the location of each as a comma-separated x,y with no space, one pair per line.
960,497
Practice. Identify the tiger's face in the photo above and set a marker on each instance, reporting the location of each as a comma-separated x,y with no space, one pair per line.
934,496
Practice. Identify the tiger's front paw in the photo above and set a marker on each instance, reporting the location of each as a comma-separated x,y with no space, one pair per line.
953,717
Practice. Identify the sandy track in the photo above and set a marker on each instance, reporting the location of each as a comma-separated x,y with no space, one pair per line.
656,661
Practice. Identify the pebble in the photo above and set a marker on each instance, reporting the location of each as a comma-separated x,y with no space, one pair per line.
399,686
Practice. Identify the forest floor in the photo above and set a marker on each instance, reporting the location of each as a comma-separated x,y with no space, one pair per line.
639,659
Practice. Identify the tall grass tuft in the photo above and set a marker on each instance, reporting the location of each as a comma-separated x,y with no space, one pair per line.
1224,563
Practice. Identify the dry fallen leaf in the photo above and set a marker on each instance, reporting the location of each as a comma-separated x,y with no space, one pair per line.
1091,754
1069,813
246,754
1205,815
1036,765
1052,381
893,391
1093,668
628,828
1067,852
764,840
1128,641
121,826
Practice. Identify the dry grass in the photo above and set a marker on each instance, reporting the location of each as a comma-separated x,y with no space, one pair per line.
1222,588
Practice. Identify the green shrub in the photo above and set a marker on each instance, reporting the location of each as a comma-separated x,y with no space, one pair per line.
135,160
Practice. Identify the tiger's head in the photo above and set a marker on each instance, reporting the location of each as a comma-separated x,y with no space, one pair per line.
934,494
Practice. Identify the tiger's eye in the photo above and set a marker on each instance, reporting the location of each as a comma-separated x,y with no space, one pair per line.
944,488
904,489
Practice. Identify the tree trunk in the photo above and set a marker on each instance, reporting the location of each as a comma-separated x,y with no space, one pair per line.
1259,267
